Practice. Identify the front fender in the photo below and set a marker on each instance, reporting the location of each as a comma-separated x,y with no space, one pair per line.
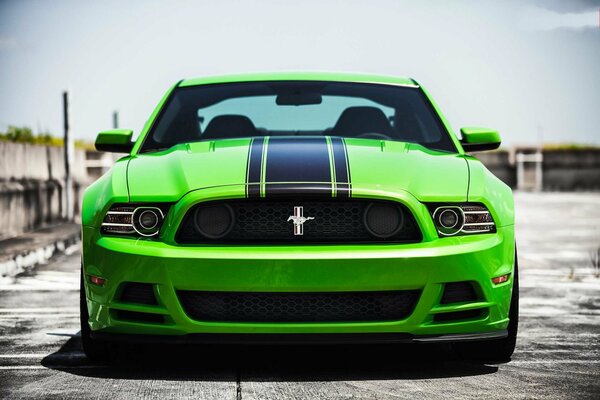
108,189
486,188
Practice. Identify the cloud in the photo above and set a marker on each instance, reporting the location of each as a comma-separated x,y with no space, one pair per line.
543,19
570,6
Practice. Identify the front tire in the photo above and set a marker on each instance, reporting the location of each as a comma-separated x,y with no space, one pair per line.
95,350
498,349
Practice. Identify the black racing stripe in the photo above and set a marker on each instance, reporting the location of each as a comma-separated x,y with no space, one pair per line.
342,167
254,167
301,160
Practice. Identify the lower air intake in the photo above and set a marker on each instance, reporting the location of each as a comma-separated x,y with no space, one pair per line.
458,292
299,307
458,315
141,293
135,316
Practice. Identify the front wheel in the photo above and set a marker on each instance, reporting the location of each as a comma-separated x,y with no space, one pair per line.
497,349
95,350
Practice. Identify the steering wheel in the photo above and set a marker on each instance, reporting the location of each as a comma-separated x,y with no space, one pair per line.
374,135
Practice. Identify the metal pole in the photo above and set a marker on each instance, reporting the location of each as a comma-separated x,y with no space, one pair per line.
520,172
115,119
67,155
539,181
539,160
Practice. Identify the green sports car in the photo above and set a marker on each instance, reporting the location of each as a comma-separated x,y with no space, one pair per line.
295,208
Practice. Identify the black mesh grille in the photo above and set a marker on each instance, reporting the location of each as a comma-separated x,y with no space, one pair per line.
299,307
142,293
267,221
456,292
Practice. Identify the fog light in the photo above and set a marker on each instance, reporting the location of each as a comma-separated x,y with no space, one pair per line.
383,220
500,279
214,221
96,280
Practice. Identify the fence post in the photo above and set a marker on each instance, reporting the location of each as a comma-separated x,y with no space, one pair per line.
68,157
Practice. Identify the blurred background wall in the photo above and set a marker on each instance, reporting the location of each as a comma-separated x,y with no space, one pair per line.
550,169
32,186
33,181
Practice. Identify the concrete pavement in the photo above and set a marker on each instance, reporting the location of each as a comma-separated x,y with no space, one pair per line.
558,351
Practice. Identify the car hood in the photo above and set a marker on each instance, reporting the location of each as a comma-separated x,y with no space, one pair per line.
299,164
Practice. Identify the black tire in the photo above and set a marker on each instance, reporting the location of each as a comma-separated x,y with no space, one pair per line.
499,350
95,350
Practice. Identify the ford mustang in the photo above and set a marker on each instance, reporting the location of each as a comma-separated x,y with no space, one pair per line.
299,208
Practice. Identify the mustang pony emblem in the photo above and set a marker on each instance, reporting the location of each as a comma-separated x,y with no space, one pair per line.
299,219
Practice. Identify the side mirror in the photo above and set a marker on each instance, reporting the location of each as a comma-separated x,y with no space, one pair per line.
115,141
479,139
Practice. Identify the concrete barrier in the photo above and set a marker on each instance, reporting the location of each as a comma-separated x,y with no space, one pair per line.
19,161
32,192
573,170
28,204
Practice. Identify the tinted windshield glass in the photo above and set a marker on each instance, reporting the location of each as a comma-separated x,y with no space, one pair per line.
293,108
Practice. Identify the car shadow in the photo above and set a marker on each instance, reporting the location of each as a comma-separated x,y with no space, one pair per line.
263,363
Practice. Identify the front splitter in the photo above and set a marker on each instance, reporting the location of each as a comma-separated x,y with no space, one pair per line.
302,338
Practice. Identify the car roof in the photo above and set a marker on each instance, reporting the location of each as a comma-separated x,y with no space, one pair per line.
301,76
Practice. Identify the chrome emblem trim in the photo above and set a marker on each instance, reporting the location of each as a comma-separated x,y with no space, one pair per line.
299,219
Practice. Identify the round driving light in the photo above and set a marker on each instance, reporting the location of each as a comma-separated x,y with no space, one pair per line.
214,221
383,220
148,219
448,218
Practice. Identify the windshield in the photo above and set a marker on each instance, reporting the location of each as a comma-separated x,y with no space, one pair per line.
298,108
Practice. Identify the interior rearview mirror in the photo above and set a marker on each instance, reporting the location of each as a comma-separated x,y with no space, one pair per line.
115,141
479,139
298,99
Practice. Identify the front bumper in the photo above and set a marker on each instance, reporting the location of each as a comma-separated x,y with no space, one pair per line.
425,266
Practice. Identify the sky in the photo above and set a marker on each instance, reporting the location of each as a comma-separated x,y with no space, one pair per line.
530,69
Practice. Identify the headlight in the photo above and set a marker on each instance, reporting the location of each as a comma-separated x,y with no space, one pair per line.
134,220
461,219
